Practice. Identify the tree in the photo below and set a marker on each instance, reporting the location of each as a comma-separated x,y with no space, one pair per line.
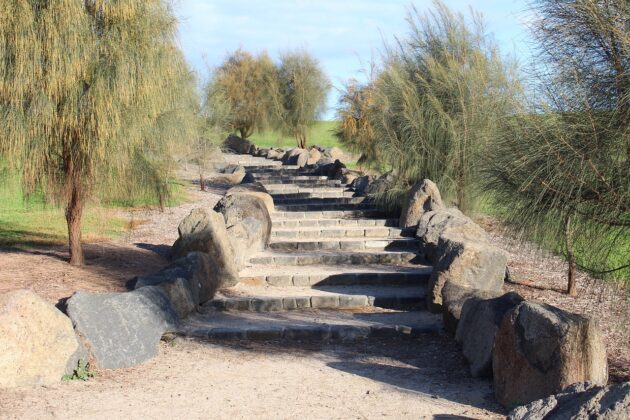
248,84
302,93
434,105
85,87
562,166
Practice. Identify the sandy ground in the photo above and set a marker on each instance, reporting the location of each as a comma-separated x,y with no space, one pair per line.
423,378
406,379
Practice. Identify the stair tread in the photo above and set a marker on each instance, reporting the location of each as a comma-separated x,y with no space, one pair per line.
246,291
263,269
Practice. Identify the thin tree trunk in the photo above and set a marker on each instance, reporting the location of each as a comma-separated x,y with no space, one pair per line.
74,212
202,182
571,283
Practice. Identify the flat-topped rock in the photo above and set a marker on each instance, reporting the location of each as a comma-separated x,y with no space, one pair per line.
308,324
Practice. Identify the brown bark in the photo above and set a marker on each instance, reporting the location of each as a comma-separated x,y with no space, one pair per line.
74,212
202,182
571,281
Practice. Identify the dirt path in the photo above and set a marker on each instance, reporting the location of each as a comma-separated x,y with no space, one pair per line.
406,379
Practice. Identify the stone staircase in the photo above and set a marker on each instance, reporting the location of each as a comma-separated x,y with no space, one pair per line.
336,268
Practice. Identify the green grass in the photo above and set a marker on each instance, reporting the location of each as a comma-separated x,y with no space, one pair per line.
321,134
27,223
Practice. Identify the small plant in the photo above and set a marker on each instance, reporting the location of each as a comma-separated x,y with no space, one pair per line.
81,373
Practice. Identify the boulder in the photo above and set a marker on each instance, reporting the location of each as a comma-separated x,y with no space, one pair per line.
454,296
37,343
237,145
296,156
255,189
274,154
539,350
478,325
314,155
465,262
122,329
361,184
322,163
201,277
262,152
205,231
249,237
434,223
579,401
423,197
381,184
253,149
334,153
349,177
233,174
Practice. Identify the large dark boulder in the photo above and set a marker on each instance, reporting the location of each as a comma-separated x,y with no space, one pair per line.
579,401
237,145
200,276
539,350
360,185
122,329
423,197
205,231
477,328
381,184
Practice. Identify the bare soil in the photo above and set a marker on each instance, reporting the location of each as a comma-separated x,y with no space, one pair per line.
419,378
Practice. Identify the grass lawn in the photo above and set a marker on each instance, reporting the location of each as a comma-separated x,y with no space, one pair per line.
321,134
33,223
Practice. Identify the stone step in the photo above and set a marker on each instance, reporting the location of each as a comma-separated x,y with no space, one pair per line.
288,196
341,275
288,258
339,232
327,214
308,324
275,168
315,207
347,244
322,201
291,178
294,189
273,299
282,224
302,183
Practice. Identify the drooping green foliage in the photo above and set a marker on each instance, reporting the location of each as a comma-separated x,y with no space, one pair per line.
562,166
301,96
434,105
92,93
247,83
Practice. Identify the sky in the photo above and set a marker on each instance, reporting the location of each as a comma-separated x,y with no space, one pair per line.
344,35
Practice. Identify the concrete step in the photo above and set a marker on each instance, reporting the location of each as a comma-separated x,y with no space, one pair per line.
273,299
285,196
292,178
327,214
341,275
325,207
308,324
301,183
347,244
294,189
339,232
322,201
288,258
285,224
275,168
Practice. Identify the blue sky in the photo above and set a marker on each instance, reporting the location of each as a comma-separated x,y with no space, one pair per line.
343,34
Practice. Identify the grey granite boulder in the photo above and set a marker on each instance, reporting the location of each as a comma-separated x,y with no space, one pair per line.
539,350
254,189
477,329
314,155
423,197
196,270
333,153
467,263
579,401
122,329
205,231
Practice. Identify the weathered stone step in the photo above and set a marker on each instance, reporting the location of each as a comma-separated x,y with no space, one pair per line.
327,214
294,189
322,201
301,183
273,299
337,232
333,258
325,207
341,275
292,196
292,178
310,324
275,168
281,224
347,244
